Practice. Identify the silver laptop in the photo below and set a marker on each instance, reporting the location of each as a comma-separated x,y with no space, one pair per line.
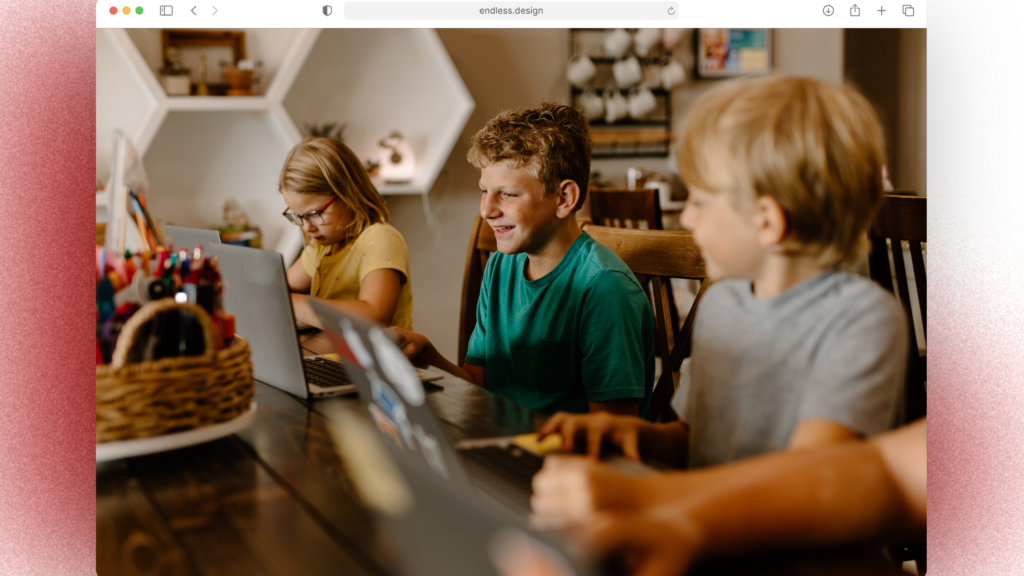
256,292
189,238
437,527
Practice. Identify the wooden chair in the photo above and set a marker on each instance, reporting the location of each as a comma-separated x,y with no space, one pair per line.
654,257
482,244
625,208
901,218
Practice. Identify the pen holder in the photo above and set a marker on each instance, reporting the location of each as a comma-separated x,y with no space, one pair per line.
158,397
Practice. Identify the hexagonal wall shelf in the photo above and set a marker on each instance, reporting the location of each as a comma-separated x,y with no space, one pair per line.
201,151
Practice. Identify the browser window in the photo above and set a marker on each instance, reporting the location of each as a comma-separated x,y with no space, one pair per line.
198,106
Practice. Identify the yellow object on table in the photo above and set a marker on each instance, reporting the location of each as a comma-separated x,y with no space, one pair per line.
549,445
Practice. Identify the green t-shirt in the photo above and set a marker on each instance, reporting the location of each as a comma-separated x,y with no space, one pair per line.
582,333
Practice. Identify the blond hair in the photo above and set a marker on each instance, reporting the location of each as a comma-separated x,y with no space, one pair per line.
325,166
552,142
816,148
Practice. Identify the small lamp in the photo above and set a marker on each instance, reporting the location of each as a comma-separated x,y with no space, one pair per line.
397,161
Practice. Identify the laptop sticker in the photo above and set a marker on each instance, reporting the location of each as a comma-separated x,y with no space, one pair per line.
387,428
356,345
397,368
392,405
375,476
431,451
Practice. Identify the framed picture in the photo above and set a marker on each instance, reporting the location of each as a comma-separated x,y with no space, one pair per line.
723,52
218,46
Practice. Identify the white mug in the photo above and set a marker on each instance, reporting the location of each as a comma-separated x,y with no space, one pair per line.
580,70
616,42
591,104
665,195
627,72
670,37
615,105
645,39
672,74
641,102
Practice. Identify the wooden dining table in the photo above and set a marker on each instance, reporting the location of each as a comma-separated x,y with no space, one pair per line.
274,499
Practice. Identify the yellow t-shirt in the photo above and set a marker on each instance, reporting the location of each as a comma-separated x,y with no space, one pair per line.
339,276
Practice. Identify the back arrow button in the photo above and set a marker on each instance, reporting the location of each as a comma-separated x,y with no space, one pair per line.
194,11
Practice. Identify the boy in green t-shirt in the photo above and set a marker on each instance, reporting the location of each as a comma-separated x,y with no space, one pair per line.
562,324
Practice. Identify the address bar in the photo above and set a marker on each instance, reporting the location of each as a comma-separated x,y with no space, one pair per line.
484,10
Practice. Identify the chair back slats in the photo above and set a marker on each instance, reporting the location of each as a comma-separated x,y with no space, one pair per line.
917,259
655,257
482,244
625,208
902,219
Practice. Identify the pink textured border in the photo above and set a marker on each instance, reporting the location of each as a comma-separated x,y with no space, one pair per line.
47,159
47,180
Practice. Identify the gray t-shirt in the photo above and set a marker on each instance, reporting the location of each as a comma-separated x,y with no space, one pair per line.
831,347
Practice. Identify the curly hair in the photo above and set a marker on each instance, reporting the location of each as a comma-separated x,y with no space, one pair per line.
552,142
328,167
816,148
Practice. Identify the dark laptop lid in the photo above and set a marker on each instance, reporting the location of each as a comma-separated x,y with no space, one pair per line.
439,528
392,392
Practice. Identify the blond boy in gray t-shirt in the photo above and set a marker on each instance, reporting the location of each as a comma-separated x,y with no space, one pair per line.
784,176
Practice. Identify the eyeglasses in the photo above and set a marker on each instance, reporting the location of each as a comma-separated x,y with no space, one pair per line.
315,218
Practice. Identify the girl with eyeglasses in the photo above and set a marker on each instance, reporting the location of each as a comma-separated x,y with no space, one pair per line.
352,256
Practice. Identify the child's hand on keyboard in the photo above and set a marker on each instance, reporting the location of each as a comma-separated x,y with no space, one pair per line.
569,490
590,431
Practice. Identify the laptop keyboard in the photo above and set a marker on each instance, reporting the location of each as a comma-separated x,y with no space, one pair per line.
325,373
504,473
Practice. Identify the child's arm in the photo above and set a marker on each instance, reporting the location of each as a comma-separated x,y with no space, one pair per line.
622,407
813,432
298,280
418,348
856,492
378,299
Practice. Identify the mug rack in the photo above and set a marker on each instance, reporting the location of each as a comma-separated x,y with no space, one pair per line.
648,137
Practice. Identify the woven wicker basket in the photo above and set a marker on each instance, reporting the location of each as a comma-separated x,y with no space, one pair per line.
154,398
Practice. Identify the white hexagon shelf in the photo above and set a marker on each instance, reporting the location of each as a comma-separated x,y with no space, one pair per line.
200,151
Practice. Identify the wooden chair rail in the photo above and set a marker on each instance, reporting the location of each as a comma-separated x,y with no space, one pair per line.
482,244
633,206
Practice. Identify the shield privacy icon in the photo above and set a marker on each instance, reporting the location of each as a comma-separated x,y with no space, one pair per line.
327,10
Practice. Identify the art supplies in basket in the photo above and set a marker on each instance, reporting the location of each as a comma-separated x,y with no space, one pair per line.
167,357
126,283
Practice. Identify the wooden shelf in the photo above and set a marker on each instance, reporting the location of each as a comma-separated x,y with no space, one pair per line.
217,103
